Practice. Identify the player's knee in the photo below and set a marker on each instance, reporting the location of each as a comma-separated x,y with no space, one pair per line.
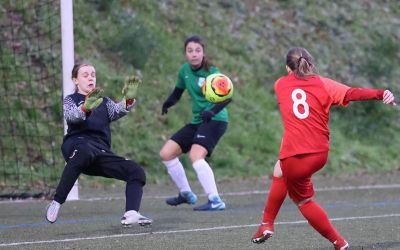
163,155
166,154
197,152
278,170
302,202
195,158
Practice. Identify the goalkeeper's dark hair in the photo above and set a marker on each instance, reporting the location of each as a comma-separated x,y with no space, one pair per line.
205,64
300,61
76,68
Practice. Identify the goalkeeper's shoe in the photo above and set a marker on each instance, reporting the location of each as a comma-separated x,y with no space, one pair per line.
183,197
52,211
264,232
341,244
214,203
132,217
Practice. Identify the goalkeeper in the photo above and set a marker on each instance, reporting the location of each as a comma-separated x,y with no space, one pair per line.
86,146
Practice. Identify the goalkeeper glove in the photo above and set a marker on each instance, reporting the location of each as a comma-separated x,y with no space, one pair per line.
92,100
129,90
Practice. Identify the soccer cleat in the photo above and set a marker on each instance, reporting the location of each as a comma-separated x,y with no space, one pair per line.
214,204
341,244
183,197
132,217
264,232
52,211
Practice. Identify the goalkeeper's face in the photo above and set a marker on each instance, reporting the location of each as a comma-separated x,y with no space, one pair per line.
86,79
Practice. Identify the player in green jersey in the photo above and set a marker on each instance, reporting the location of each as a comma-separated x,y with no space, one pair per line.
200,136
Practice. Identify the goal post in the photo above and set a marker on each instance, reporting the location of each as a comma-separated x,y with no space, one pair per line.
67,47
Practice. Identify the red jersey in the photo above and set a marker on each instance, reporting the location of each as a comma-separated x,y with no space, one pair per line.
304,105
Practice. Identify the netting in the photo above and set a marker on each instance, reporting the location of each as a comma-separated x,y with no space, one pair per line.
30,97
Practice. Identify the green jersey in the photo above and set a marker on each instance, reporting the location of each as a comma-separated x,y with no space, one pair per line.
192,81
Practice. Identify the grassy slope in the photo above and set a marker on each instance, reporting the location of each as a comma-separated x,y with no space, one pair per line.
353,42
248,40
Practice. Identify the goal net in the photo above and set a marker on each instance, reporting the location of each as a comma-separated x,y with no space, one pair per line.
31,122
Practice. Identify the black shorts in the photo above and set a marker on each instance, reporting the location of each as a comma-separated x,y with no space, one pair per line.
204,134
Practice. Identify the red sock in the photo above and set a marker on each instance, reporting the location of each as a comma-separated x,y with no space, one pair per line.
319,220
277,195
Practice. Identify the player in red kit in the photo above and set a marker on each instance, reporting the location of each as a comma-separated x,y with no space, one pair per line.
305,99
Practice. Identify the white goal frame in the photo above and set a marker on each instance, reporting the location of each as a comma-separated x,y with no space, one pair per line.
67,44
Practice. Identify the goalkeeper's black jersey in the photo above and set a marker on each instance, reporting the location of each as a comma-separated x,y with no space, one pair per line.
94,125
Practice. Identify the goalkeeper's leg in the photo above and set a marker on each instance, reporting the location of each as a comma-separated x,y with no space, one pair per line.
133,192
80,158
112,166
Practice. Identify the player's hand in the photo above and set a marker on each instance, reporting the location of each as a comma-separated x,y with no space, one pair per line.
165,107
129,91
207,115
388,98
92,100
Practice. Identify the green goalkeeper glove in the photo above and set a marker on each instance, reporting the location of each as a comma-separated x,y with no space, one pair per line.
131,85
93,99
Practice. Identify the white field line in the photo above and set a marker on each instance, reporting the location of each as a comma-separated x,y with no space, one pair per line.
251,192
187,230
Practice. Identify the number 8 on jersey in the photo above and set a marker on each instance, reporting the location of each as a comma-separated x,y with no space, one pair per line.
300,101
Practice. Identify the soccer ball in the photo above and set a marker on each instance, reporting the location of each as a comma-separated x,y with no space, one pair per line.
217,88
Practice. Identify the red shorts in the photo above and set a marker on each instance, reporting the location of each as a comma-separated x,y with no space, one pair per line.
297,171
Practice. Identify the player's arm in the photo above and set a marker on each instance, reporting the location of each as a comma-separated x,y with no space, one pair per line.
116,110
208,114
72,112
221,105
172,100
361,94
342,94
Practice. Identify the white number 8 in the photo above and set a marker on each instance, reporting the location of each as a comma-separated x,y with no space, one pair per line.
301,101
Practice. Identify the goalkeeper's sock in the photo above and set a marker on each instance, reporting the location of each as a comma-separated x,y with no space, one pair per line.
206,177
276,197
319,220
177,174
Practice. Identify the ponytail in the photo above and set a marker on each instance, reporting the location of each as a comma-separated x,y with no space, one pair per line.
300,61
